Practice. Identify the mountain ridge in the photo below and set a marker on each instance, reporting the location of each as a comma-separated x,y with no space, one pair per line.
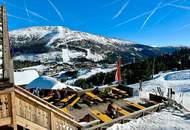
38,40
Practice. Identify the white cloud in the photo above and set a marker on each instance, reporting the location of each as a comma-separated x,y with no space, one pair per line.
121,9
56,10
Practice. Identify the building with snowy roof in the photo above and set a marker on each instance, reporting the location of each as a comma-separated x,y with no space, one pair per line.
24,77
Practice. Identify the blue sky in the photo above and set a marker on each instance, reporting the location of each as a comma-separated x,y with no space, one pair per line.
151,22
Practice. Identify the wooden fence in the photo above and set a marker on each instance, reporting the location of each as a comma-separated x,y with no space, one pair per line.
19,107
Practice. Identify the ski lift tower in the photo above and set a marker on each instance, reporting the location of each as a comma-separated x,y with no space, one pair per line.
6,61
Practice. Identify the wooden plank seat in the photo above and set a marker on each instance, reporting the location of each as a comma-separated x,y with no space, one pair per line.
64,100
135,105
65,110
101,116
47,97
124,93
70,100
74,102
121,110
93,96
129,109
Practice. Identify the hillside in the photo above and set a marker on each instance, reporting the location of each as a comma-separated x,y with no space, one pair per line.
40,43
67,54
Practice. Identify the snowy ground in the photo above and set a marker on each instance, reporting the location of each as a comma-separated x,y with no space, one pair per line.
50,56
179,81
164,120
39,68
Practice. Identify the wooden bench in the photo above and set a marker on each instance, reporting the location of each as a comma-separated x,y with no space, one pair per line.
135,105
93,96
120,91
121,110
74,102
101,116
64,100
65,110
47,97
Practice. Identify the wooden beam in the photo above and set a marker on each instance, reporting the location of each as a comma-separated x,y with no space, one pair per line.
93,96
67,98
65,110
29,125
5,121
7,58
20,92
13,108
101,116
120,91
121,110
47,98
52,126
131,116
135,105
74,102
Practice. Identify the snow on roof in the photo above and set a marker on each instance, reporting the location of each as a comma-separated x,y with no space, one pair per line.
63,85
38,68
25,77
45,82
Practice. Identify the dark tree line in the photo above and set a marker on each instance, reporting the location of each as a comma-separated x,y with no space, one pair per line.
142,70
23,64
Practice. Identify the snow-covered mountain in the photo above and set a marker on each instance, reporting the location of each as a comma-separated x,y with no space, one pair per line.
40,43
64,34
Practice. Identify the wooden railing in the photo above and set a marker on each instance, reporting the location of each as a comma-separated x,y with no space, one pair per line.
125,119
20,107
5,105
24,109
5,108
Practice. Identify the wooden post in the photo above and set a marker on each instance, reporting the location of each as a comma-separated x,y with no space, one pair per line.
7,58
13,111
52,123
